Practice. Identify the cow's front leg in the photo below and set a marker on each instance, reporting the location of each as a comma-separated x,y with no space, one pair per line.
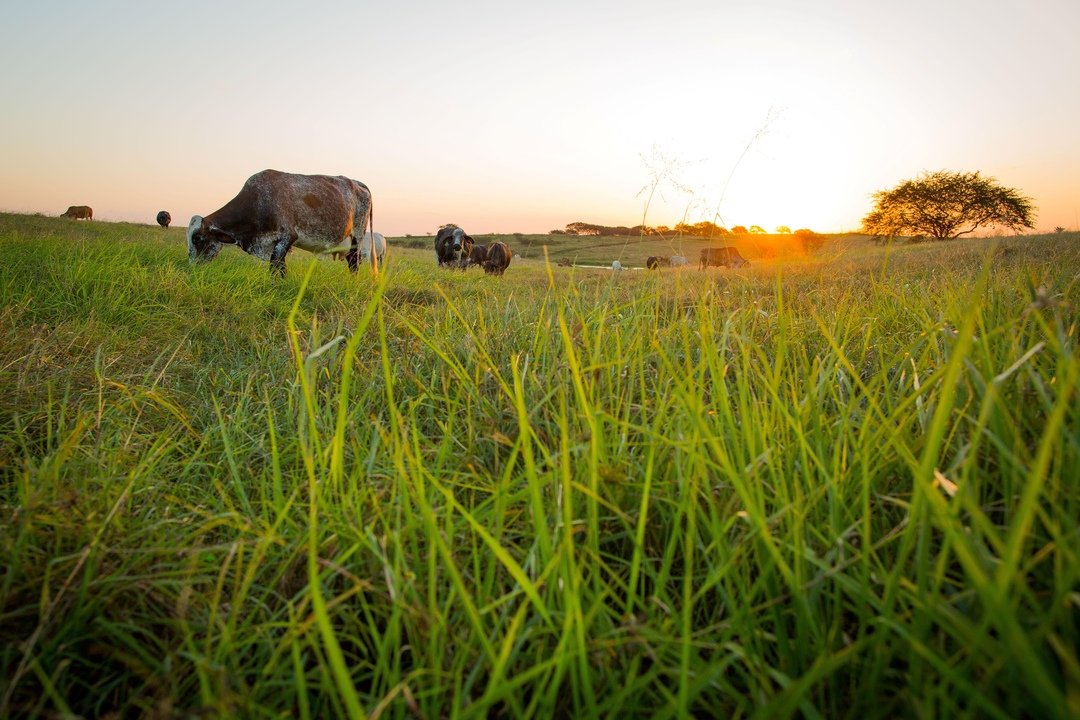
278,253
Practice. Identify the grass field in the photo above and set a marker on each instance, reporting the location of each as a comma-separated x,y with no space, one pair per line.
838,486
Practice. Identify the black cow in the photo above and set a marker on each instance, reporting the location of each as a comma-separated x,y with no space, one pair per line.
453,247
478,255
164,218
722,257
655,261
79,212
498,258
276,210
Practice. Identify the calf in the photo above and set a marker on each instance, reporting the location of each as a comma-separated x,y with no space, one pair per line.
276,210
164,218
376,241
478,255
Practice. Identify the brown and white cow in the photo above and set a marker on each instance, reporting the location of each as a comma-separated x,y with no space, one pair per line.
276,210
453,247
79,212
498,258
722,257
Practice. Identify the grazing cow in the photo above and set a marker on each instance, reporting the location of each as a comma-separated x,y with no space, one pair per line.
498,258
677,261
616,265
453,247
655,262
478,255
564,262
722,257
164,218
276,210
380,248
79,212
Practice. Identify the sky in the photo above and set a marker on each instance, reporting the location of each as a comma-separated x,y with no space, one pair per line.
523,117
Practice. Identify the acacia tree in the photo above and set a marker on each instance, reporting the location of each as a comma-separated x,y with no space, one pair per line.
945,205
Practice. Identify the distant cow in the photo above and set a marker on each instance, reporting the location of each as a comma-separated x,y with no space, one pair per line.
164,218
478,256
722,257
616,265
453,247
79,212
276,210
498,258
677,261
380,248
655,261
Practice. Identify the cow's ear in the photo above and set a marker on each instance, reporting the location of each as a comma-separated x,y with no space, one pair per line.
468,238
220,235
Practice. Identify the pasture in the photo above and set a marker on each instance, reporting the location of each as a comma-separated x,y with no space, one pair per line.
843,485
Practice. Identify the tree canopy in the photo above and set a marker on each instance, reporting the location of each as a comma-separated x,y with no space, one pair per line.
946,205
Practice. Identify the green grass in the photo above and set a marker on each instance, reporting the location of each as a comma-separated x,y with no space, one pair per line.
842,486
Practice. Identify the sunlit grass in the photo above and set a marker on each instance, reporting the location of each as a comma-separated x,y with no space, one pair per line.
844,486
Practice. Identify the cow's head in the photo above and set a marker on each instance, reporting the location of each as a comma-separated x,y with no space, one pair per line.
461,244
203,241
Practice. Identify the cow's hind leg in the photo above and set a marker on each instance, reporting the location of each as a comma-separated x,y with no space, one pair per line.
353,256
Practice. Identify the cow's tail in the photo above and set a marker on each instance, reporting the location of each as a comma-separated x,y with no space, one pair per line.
371,225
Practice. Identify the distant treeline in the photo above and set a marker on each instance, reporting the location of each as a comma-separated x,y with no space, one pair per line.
805,238
700,229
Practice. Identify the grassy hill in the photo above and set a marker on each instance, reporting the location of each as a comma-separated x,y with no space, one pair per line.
843,485
633,250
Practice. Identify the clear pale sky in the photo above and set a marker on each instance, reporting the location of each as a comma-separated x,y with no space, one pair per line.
523,117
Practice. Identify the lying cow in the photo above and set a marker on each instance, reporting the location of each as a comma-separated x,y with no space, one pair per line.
79,212
276,210
677,261
478,255
655,262
453,247
164,218
722,257
498,258
380,248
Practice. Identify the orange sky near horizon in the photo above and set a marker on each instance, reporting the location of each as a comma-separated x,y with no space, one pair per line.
523,119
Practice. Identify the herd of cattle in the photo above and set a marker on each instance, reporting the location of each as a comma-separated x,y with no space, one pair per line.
275,211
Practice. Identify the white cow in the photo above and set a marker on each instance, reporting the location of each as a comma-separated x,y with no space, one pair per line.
678,261
380,248
616,265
